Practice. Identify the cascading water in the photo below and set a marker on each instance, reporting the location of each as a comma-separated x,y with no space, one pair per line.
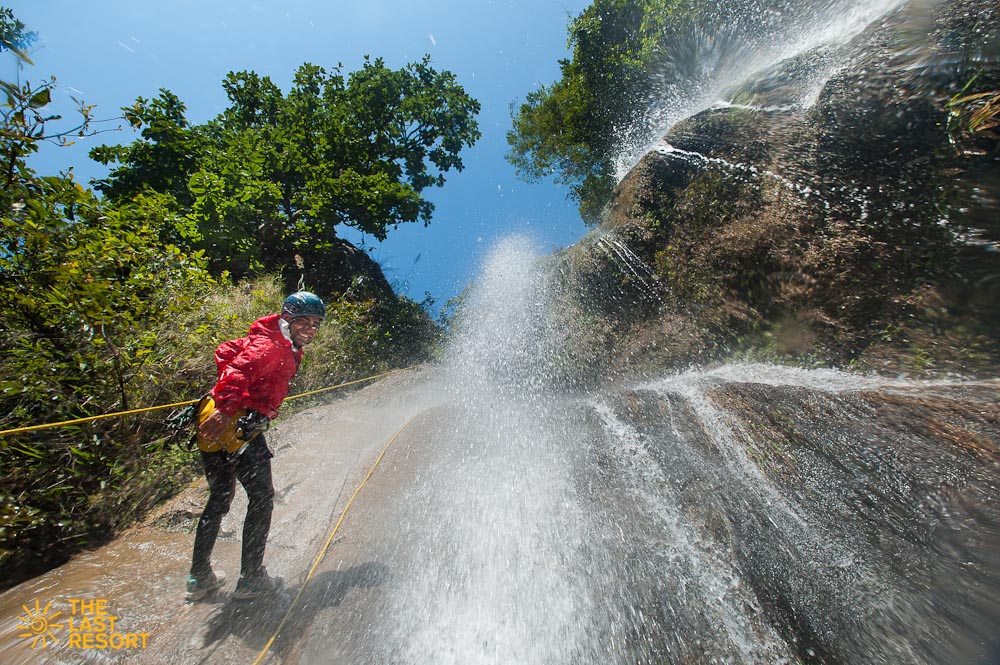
498,532
745,514
700,69
741,514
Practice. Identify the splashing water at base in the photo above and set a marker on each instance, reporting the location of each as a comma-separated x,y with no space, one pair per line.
498,574
746,514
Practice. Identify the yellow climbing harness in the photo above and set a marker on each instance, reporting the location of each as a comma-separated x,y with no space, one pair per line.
231,440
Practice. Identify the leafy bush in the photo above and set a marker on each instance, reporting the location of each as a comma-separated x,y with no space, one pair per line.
73,487
80,285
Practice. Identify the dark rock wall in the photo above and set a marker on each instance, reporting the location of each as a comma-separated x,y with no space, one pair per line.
864,522
852,229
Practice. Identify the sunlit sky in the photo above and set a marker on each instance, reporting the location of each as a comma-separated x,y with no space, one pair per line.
111,51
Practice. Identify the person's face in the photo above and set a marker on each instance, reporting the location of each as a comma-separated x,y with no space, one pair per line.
304,329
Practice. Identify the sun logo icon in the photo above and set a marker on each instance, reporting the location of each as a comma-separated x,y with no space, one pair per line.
38,623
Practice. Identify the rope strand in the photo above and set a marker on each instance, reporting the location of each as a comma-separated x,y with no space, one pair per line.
77,421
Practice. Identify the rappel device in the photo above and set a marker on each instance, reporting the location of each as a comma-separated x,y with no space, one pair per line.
250,425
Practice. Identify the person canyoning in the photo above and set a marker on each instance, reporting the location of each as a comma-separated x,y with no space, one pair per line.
253,377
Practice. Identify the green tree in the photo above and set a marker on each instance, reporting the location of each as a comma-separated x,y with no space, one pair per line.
14,35
162,161
270,179
573,129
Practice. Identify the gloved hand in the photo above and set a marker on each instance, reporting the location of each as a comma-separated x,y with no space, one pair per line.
214,425
249,425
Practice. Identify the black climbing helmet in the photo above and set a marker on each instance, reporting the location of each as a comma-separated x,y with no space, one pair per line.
303,303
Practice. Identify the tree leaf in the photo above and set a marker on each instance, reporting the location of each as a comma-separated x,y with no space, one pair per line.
41,98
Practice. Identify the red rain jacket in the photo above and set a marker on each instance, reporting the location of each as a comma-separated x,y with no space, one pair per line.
254,371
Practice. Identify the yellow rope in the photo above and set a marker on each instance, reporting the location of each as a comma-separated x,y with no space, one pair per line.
349,383
326,546
33,428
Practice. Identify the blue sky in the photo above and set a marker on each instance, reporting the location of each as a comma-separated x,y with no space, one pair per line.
111,51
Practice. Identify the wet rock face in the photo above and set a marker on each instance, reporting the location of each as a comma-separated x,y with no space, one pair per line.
832,195
853,526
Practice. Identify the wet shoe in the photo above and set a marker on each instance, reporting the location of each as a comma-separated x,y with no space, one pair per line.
255,586
199,587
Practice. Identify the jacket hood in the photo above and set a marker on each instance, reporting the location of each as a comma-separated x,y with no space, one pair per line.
269,326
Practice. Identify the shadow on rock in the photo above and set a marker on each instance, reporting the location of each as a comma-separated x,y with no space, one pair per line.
255,621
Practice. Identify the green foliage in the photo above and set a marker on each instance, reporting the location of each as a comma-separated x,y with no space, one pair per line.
977,114
80,285
275,174
24,126
973,120
162,161
13,35
552,136
24,122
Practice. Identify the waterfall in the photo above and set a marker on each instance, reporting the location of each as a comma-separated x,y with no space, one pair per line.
739,513
747,513
701,69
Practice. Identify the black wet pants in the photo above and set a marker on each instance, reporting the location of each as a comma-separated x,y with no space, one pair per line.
252,468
